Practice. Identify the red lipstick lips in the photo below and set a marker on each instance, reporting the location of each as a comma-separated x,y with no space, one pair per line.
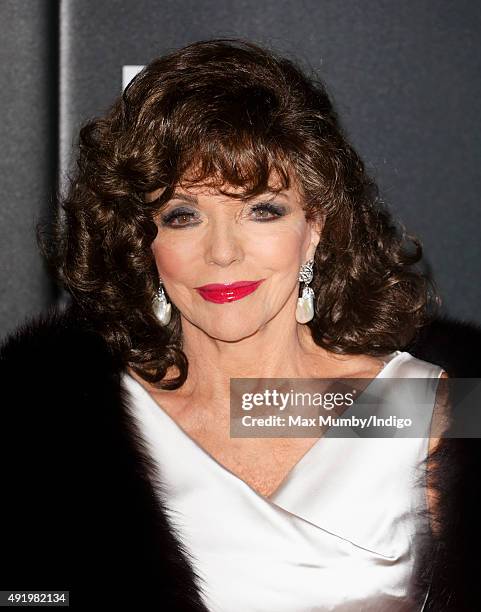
220,293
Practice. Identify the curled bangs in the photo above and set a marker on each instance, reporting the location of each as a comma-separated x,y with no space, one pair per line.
250,167
226,144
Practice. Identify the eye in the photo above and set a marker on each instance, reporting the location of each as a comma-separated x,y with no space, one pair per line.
177,217
269,211
182,217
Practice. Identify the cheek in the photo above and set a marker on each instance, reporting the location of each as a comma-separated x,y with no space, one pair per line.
173,256
281,245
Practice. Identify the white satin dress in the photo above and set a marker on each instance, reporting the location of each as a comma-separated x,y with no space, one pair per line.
337,534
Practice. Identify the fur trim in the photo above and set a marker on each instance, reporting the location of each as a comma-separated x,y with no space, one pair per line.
79,508
450,562
453,344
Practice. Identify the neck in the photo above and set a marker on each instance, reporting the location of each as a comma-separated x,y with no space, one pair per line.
280,349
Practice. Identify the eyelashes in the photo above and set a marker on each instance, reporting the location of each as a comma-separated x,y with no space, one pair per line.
176,218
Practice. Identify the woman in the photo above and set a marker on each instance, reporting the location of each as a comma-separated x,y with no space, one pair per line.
218,184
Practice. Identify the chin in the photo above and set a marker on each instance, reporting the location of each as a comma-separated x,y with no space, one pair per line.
228,330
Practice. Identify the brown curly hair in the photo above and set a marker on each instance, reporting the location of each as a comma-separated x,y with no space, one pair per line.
228,112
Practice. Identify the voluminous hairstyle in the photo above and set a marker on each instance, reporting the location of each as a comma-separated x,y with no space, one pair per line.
228,112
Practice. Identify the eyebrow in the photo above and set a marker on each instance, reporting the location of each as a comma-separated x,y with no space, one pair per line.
184,197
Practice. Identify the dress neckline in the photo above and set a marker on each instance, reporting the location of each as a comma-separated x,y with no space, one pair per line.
207,456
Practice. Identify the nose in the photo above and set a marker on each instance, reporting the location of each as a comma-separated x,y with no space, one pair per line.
222,242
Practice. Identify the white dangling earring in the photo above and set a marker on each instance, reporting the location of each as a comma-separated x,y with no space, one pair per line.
305,304
162,308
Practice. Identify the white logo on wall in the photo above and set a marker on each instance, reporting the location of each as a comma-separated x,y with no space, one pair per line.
128,73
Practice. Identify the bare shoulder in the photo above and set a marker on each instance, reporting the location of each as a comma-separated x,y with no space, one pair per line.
172,401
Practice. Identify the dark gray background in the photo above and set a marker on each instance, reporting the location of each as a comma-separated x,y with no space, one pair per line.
404,78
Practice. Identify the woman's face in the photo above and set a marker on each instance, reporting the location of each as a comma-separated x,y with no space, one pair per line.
207,238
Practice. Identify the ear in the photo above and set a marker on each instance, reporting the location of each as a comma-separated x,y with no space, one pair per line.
315,231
